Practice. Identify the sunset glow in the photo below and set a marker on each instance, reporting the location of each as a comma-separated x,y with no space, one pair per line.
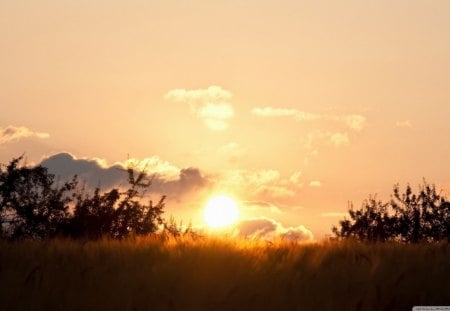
296,109
221,211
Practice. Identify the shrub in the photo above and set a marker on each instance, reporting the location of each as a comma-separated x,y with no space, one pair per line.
407,217
33,205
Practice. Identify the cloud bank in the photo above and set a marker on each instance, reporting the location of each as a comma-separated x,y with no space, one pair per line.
13,133
212,105
167,179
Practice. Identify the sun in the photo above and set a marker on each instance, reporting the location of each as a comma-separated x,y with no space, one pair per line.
221,211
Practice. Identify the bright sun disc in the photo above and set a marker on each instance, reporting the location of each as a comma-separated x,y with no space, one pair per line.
221,211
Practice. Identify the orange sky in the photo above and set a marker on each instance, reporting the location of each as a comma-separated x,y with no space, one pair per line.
293,108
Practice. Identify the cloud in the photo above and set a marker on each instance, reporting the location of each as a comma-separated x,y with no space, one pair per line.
316,138
215,111
212,105
260,184
339,139
353,122
232,150
211,94
296,177
315,183
167,178
404,124
265,228
261,206
275,112
13,133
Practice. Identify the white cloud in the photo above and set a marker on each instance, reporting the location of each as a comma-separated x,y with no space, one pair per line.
353,122
339,139
314,139
296,177
266,228
315,183
232,150
274,112
404,124
259,184
13,133
153,165
213,93
217,111
212,105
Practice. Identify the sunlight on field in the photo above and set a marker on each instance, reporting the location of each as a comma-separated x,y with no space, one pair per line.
160,273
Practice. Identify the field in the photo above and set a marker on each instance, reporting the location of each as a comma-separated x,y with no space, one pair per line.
221,274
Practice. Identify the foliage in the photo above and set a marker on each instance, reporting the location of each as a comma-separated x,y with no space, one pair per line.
32,205
116,214
156,273
407,217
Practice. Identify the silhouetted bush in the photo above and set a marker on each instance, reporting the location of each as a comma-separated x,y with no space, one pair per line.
116,214
407,217
33,205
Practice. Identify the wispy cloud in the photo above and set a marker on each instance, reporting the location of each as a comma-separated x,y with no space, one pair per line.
404,124
339,139
315,183
315,138
212,105
354,122
261,206
260,184
232,150
13,133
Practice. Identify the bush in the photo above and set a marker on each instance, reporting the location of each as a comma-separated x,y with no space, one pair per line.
407,217
33,205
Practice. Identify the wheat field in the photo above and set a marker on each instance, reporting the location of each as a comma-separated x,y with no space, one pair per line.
155,273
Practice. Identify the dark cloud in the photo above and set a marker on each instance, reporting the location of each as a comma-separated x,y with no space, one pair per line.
65,166
189,179
95,174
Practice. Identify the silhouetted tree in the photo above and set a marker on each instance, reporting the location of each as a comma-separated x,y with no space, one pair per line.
117,214
31,205
407,217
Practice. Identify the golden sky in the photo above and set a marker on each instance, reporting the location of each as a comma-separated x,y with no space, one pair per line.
294,108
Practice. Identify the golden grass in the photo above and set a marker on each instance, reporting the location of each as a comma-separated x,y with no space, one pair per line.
221,274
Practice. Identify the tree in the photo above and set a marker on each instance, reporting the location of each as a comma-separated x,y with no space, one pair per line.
31,205
407,217
117,213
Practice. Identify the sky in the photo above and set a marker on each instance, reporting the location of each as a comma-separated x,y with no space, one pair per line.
293,108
